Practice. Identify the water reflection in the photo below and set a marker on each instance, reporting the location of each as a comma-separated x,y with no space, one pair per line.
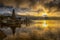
38,24
47,23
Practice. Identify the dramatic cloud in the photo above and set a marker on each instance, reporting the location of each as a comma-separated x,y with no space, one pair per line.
49,6
53,6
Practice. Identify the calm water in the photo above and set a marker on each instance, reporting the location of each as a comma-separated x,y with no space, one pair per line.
47,23
37,23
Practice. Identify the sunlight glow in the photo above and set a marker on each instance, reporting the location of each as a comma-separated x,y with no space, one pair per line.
44,21
44,24
44,14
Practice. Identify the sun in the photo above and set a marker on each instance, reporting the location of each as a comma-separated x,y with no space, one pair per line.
44,23
44,14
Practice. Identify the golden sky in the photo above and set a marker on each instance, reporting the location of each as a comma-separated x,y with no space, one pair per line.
49,6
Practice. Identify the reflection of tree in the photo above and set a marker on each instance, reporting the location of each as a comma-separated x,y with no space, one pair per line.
27,21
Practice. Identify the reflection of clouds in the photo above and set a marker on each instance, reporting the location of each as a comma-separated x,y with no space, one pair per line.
7,30
47,34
